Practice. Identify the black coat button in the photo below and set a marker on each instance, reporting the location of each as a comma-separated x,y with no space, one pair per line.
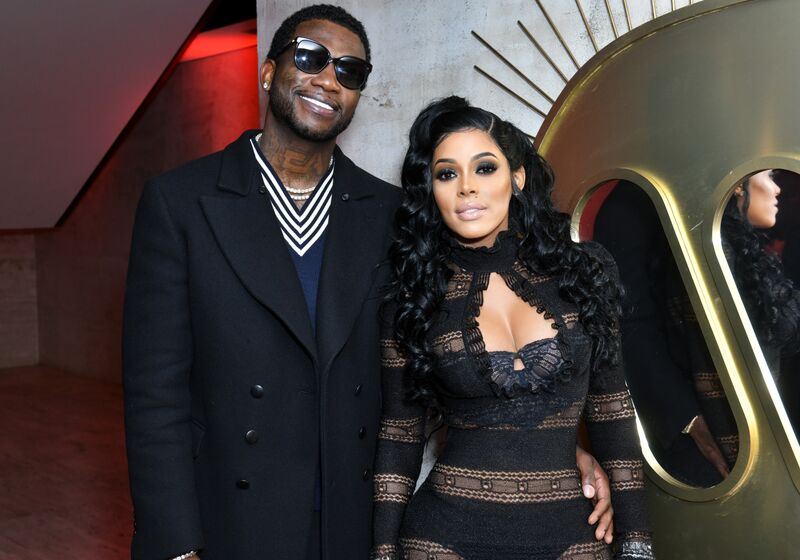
262,189
257,391
243,484
251,436
365,474
345,197
362,432
358,389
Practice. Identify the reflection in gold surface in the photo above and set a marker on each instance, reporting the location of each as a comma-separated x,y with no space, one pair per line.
684,106
760,236
676,389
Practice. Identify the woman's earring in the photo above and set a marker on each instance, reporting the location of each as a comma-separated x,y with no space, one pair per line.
266,86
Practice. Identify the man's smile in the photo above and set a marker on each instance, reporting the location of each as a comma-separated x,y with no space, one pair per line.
318,105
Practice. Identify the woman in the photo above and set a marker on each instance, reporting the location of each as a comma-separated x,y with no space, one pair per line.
507,328
768,295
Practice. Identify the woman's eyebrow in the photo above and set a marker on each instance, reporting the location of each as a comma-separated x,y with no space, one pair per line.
482,154
476,156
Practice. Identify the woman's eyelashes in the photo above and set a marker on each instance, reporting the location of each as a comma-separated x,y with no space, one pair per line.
486,168
445,174
448,173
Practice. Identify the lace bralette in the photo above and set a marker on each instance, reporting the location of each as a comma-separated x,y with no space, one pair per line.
542,360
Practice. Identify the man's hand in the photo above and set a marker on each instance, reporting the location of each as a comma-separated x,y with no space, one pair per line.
707,445
597,488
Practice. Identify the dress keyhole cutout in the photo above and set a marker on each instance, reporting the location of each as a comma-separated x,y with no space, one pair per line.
507,323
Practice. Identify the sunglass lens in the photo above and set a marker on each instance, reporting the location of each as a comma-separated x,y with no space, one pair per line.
351,72
310,57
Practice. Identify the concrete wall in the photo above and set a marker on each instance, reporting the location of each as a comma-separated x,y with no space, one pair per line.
19,331
82,264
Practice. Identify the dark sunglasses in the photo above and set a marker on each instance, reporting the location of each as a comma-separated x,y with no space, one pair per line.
312,58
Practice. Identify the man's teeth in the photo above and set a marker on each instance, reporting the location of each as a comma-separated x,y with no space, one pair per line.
317,103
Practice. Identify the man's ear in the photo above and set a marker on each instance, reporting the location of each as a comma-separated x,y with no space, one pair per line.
267,74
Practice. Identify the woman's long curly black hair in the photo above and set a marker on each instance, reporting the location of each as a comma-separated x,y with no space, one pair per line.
419,254
757,270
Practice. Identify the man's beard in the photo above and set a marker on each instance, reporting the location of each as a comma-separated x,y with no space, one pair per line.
281,107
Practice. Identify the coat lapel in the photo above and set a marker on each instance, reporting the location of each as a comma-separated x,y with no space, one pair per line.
249,235
356,243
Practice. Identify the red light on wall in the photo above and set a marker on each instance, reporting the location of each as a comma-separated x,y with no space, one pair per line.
590,211
218,41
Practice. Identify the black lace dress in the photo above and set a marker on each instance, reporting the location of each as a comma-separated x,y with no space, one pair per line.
506,486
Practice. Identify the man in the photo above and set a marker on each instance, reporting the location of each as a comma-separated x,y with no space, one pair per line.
251,361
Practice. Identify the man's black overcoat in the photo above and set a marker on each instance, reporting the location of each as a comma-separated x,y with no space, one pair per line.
230,398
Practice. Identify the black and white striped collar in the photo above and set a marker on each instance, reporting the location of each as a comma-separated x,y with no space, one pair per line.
301,228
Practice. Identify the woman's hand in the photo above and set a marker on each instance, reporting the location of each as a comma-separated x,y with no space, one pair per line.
707,445
597,488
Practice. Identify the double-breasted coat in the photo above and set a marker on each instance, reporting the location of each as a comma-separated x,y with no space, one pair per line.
231,399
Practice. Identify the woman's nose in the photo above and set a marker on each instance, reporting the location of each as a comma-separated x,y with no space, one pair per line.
467,187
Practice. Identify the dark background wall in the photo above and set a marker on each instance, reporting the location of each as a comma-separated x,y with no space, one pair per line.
19,344
81,264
